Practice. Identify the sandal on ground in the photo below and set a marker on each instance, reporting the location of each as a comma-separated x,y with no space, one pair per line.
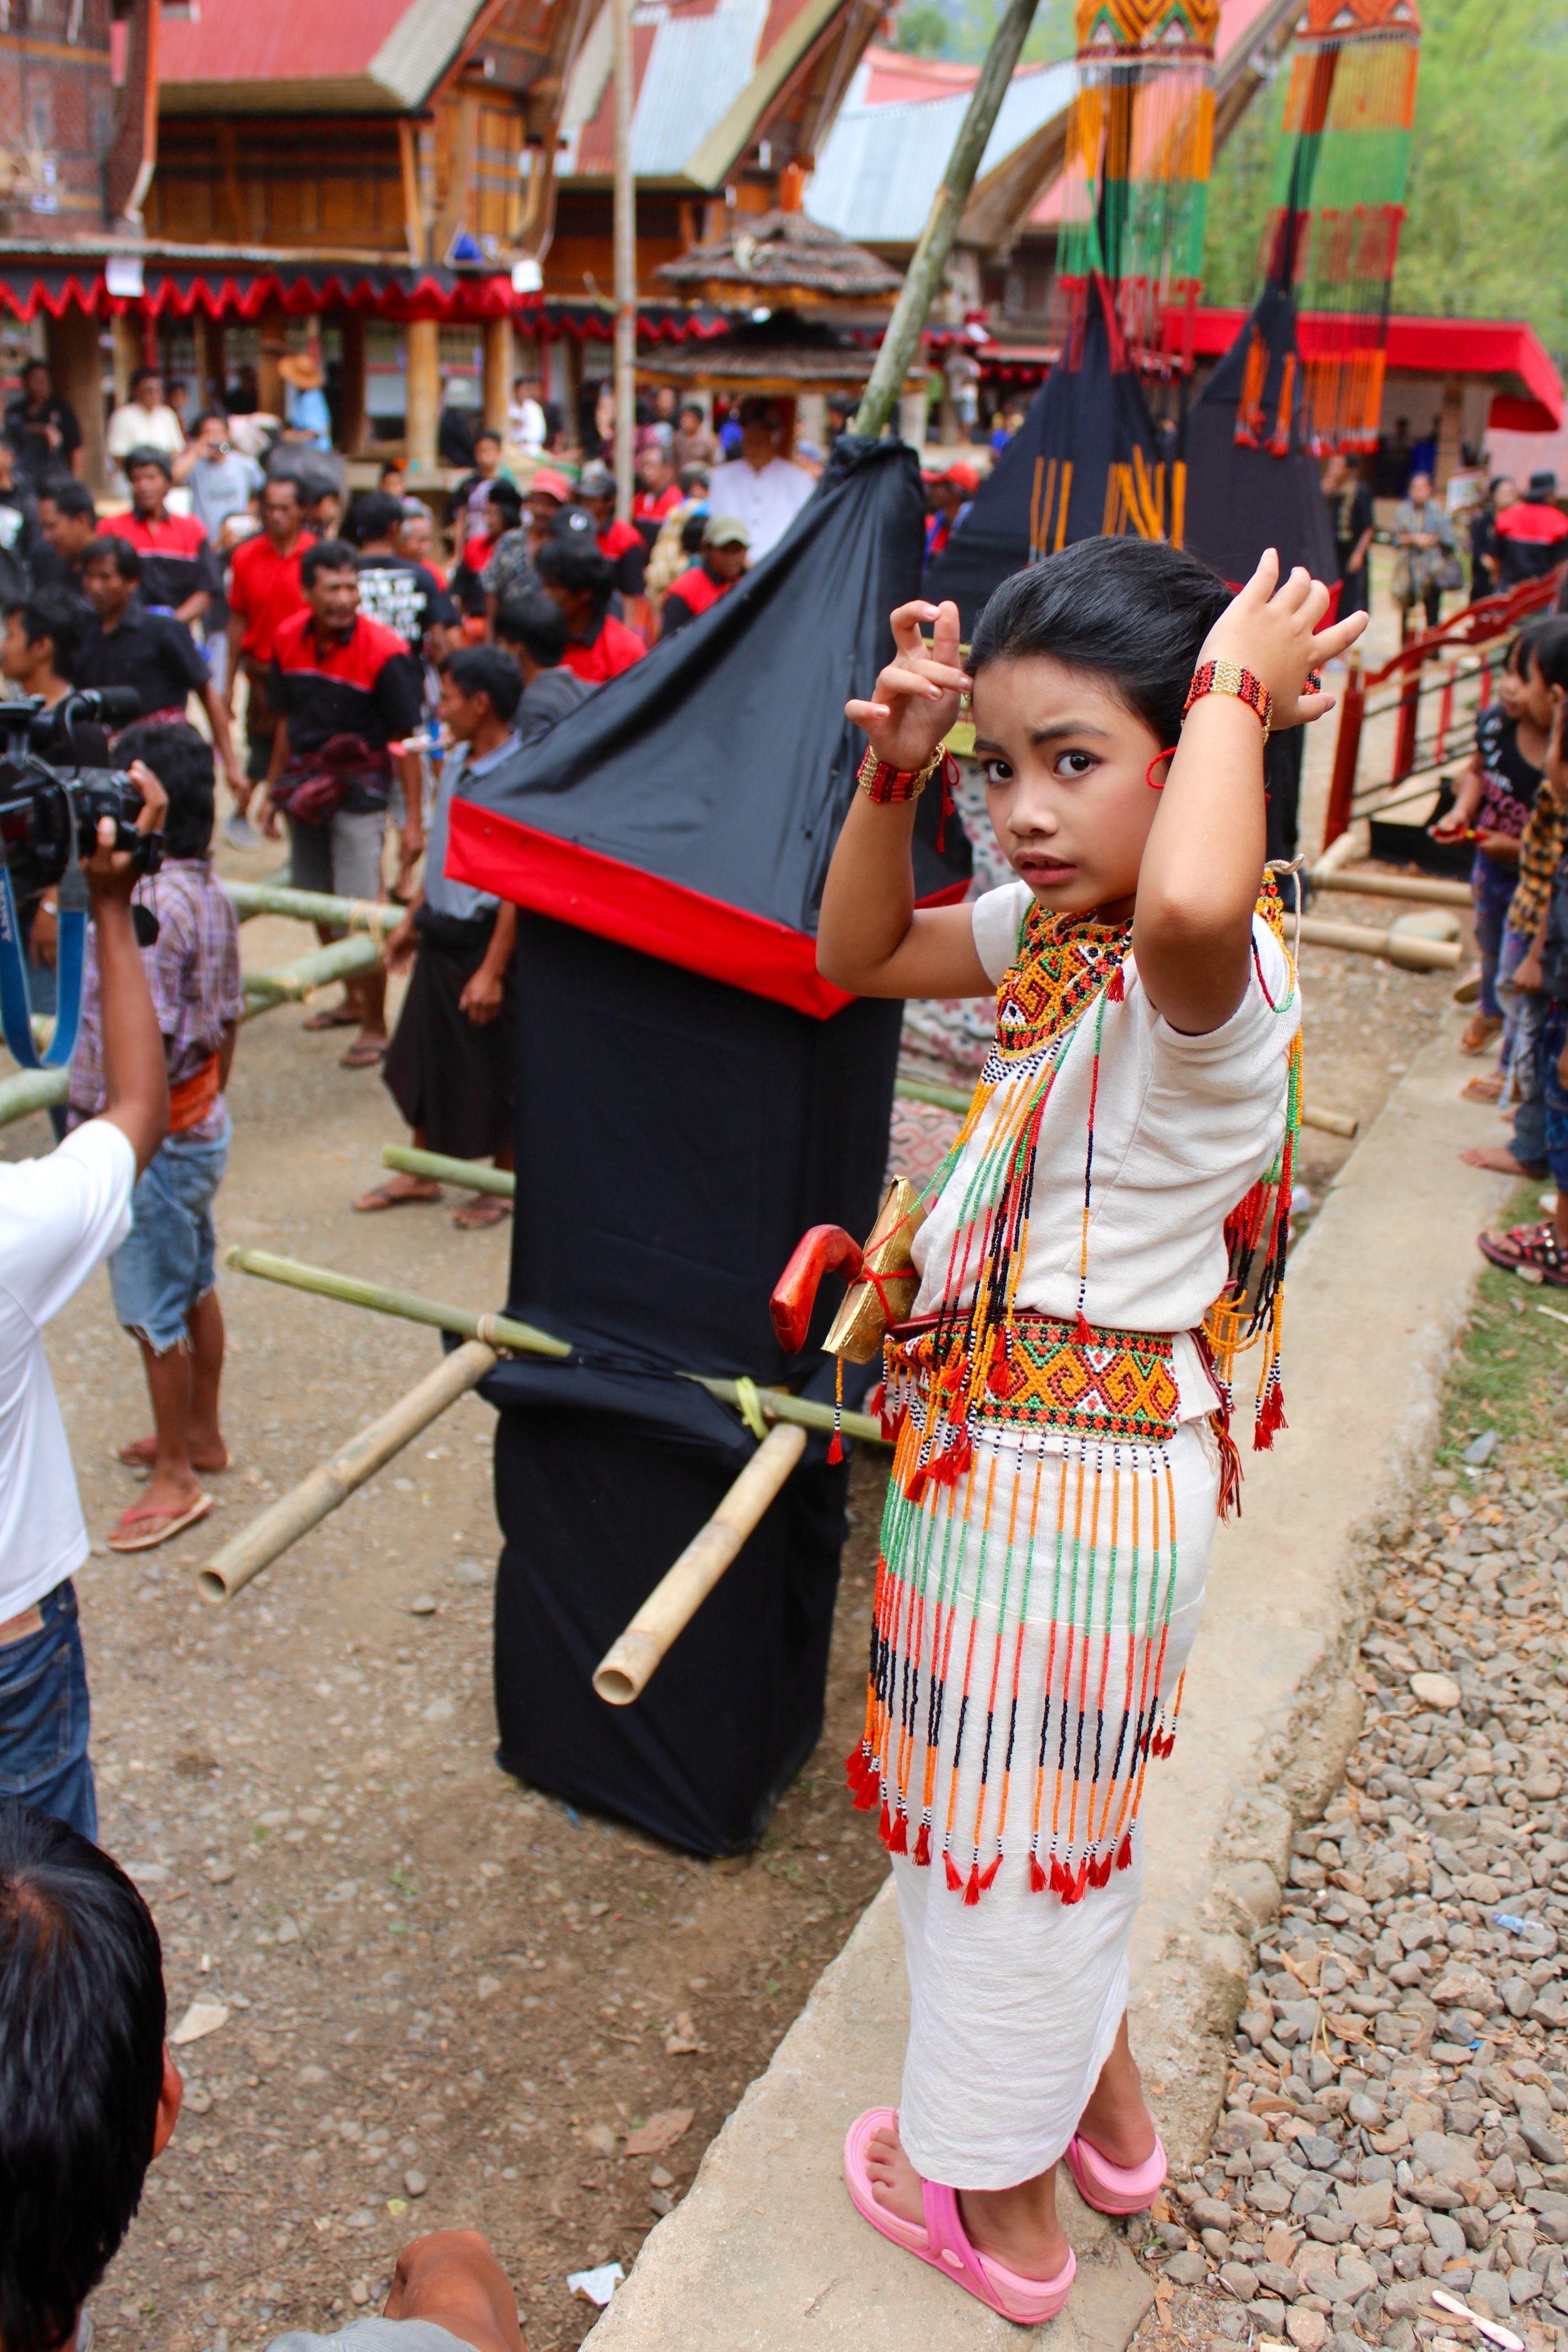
382,1196
1527,1245
476,1216
140,1530
1479,1031
364,1055
1487,1089
1115,2188
944,2242
332,1016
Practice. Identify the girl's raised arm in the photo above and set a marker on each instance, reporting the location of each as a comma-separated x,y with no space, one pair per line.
1202,863
870,937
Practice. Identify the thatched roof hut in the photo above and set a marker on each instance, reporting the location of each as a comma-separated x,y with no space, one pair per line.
785,262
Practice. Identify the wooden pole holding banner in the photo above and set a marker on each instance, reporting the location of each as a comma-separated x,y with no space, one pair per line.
923,277
294,1514
624,222
623,1673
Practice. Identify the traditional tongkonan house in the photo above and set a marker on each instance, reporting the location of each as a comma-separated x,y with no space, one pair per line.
364,179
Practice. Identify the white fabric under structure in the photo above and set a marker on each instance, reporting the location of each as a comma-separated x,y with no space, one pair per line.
1016,1999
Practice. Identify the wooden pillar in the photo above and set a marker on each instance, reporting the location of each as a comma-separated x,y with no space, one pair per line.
127,354
499,373
269,382
423,347
76,363
212,366
1450,432
352,423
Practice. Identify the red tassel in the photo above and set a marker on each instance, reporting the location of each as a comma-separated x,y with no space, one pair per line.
1116,991
877,1399
1270,1417
1082,1336
1124,1852
987,1877
836,1448
885,1826
954,1880
922,1847
1075,1891
899,1841
972,1892
1037,1879
866,1794
1099,1872
1060,1882
855,1766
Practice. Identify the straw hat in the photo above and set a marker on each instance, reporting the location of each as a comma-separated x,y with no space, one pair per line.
299,369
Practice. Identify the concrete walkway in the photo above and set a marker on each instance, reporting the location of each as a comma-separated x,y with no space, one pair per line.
765,2250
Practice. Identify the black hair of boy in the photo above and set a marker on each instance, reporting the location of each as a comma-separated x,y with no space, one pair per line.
506,499
327,555
1133,610
537,624
183,763
485,669
46,613
70,497
1549,652
117,551
82,2016
575,569
376,515
145,455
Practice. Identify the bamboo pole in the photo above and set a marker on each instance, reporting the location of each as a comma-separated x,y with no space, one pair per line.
1336,853
1404,948
1425,890
502,1331
314,906
624,225
286,983
901,341
623,1673
471,1174
331,1482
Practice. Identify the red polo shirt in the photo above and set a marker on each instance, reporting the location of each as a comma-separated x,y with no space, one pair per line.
264,590
606,655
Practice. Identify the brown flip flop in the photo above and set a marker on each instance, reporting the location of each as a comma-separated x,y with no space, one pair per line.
333,1016
159,1526
478,1217
380,1197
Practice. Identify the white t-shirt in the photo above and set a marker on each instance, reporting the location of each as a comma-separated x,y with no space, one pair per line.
59,1218
1183,1128
766,502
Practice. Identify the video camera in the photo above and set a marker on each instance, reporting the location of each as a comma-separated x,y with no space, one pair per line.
49,813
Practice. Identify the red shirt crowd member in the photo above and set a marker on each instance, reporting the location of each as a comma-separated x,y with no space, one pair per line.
726,551
179,569
621,545
1532,535
578,578
264,592
659,492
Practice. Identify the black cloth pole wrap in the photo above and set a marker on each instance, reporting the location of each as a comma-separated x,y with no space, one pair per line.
1241,500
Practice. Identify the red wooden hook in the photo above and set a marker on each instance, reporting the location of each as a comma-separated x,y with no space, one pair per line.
825,1249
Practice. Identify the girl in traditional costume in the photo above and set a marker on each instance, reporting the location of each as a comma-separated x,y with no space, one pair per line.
1109,1230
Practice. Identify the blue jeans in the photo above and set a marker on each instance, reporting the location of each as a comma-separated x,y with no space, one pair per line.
164,1266
44,1715
1492,887
1553,1094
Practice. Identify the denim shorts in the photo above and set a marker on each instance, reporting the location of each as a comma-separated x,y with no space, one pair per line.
44,1715
164,1265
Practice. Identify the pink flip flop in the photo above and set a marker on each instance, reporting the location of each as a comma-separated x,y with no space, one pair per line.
1115,2188
944,2242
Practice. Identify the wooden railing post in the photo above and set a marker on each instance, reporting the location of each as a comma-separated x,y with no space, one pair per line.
1347,750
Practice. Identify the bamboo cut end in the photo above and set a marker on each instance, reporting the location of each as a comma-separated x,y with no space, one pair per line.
625,1671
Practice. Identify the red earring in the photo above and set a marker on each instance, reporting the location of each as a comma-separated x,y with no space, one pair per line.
1149,771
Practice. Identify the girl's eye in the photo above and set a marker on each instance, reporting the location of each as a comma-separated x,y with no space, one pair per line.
1075,763
996,771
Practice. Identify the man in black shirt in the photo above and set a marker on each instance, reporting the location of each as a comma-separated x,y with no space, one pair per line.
125,644
393,589
532,629
67,525
42,429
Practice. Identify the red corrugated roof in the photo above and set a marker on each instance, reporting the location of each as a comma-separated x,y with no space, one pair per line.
277,40
1508,351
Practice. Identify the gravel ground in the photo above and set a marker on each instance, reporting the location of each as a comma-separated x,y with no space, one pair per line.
1399,2115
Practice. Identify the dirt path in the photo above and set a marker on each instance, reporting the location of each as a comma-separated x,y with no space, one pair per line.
447,1997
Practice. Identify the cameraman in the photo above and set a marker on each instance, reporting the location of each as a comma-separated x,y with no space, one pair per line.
59,1218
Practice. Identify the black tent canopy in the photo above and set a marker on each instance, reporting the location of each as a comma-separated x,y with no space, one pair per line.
1246,495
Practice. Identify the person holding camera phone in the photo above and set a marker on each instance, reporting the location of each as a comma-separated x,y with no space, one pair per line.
59,1218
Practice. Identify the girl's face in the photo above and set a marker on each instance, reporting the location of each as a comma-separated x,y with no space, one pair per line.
1066,768
1511,691
1534,696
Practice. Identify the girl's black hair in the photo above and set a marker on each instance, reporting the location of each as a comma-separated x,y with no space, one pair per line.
1132,611
1549,652
1517,658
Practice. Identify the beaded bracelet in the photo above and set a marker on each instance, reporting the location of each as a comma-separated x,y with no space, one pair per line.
1230,678
887,785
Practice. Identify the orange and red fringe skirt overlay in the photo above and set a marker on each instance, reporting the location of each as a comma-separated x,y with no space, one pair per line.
1039,1584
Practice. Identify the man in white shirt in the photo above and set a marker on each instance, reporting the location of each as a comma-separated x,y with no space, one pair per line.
59,1218
146,422
759,485
526,416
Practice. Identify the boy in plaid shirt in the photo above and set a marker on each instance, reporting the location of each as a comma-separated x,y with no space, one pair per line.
163,1274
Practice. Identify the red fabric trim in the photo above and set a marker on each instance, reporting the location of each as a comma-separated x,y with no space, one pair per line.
245,295
1496,346
616,901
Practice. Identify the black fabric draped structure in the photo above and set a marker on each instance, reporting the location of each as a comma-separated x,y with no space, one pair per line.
1086,459
689,1098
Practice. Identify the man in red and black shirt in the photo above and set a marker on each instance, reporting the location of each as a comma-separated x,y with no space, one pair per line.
179,570
264,590
621,545
345,689
578,578
726,551
1532,535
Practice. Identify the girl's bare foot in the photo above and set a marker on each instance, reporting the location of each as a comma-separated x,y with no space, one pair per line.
1016,2227
1497,1157
1117,2122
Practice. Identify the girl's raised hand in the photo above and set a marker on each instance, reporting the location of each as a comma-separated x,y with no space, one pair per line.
1271,627
915,698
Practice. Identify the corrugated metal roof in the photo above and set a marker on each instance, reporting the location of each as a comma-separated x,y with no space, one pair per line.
699,68
397,49
876,176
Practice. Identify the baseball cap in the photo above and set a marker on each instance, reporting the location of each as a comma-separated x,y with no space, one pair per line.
554,484
725,531
597,481
962,478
